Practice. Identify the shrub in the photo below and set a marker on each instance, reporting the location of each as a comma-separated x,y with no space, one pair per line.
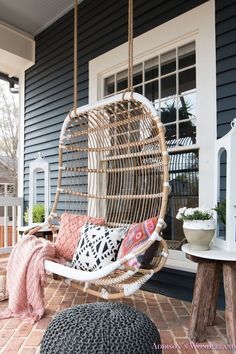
221,211
38,213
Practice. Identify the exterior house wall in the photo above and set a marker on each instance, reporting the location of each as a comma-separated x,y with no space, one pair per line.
49,83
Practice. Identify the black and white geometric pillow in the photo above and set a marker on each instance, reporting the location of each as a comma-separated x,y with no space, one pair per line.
98,246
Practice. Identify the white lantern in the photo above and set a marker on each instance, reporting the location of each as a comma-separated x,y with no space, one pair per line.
38,165
225,237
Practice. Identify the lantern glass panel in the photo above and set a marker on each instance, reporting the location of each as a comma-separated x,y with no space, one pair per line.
221,228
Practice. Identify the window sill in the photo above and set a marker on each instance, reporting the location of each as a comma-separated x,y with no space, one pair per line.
182,265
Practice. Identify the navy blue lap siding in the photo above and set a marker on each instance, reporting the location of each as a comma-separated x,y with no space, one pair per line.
49,83
102,27
225,64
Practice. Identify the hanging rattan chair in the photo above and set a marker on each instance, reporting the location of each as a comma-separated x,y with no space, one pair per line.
122,140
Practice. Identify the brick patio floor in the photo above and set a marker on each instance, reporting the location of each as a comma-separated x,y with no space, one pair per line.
170,316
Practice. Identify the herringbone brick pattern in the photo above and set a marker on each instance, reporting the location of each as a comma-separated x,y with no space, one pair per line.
170,316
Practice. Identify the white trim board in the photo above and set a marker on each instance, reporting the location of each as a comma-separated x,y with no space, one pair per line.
17,50
198,25
17,54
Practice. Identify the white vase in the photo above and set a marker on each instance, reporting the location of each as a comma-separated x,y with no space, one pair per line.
199,233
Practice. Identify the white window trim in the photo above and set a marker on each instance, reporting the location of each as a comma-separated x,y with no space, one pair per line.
199,25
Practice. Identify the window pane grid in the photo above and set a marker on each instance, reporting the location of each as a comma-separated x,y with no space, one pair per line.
169,81
144,82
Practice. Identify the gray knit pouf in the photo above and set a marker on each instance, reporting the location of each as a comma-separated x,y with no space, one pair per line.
101,328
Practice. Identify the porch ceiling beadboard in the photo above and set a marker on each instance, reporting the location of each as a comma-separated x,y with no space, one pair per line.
225,64
49,83
32,16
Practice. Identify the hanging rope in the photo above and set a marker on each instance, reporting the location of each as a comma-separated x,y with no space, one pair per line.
130,44
75,54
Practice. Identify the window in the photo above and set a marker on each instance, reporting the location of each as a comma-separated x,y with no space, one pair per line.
174,67
169,81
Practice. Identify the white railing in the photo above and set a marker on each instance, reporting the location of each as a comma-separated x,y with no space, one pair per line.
11,209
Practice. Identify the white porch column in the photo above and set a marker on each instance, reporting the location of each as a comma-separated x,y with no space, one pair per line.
17,54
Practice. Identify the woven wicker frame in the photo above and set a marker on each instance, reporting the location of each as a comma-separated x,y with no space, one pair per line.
123,140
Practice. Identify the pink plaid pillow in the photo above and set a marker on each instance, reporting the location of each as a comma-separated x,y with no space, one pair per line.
136,236
69,233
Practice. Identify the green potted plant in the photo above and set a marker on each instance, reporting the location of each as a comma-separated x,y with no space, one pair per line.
38,214
221,219
198,227
221,211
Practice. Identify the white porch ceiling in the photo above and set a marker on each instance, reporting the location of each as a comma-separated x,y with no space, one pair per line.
33,16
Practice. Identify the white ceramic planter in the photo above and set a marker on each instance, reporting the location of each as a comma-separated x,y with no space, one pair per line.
199,233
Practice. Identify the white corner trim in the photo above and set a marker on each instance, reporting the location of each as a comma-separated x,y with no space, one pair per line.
206,104
21,143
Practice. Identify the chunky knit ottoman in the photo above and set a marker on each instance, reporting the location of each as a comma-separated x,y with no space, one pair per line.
101,328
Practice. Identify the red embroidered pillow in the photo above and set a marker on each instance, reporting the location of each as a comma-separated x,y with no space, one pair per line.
136,236
69,233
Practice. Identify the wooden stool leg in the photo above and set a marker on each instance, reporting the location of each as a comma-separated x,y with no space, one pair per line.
229,271
202,298
214,296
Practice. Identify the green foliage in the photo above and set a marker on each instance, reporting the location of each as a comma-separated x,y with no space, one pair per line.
221,211
38,214
169,114
198,215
